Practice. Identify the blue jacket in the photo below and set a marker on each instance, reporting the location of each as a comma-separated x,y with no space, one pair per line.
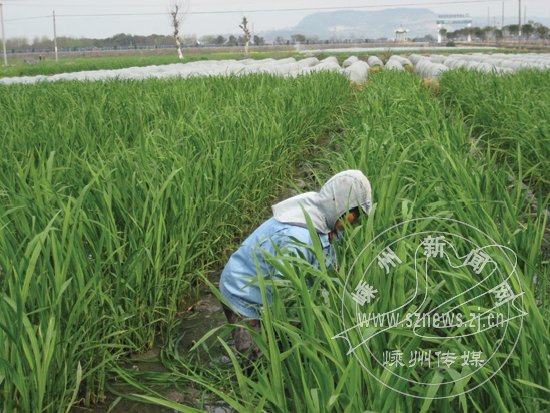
235,282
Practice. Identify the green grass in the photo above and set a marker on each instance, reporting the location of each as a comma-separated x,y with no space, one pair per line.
115,197
420,164
118,196
508,114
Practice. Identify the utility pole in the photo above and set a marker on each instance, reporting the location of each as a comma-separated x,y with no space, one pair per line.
488,15
55,38
519,19
502,22
3,36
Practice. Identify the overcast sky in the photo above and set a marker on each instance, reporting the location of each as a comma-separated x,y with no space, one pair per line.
28,18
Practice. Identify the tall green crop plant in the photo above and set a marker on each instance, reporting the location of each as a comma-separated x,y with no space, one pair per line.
419,159
508,114
115,197
429,169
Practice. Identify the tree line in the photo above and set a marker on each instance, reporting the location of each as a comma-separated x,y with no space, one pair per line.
123,40
529,31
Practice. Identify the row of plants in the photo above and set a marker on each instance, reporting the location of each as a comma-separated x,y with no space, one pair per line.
20,67
508,115
116,197
25,66
419,157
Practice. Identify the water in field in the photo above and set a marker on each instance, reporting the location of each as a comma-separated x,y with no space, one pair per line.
198,318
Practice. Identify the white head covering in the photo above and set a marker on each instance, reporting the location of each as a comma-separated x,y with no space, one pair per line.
344,191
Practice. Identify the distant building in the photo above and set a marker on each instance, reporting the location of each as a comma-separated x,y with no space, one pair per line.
400,33
452,20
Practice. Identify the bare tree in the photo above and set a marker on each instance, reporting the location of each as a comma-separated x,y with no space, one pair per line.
177,13
247,36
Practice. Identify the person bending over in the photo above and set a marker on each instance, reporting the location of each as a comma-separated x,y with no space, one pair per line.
338,203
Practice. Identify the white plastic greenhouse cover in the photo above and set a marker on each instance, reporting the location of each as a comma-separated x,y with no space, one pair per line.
323,66
374,61
350,60
358,71
437,58
330,59
283,67
310,61
425,66
393,64
487,63
415,58
403,60
429,70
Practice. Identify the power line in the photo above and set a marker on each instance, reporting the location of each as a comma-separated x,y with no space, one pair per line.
79,6
27,18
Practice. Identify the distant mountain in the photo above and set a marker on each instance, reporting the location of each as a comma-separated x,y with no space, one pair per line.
362,24
346,24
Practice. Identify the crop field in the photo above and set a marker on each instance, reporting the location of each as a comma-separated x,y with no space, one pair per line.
511,115
69,64
119,198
